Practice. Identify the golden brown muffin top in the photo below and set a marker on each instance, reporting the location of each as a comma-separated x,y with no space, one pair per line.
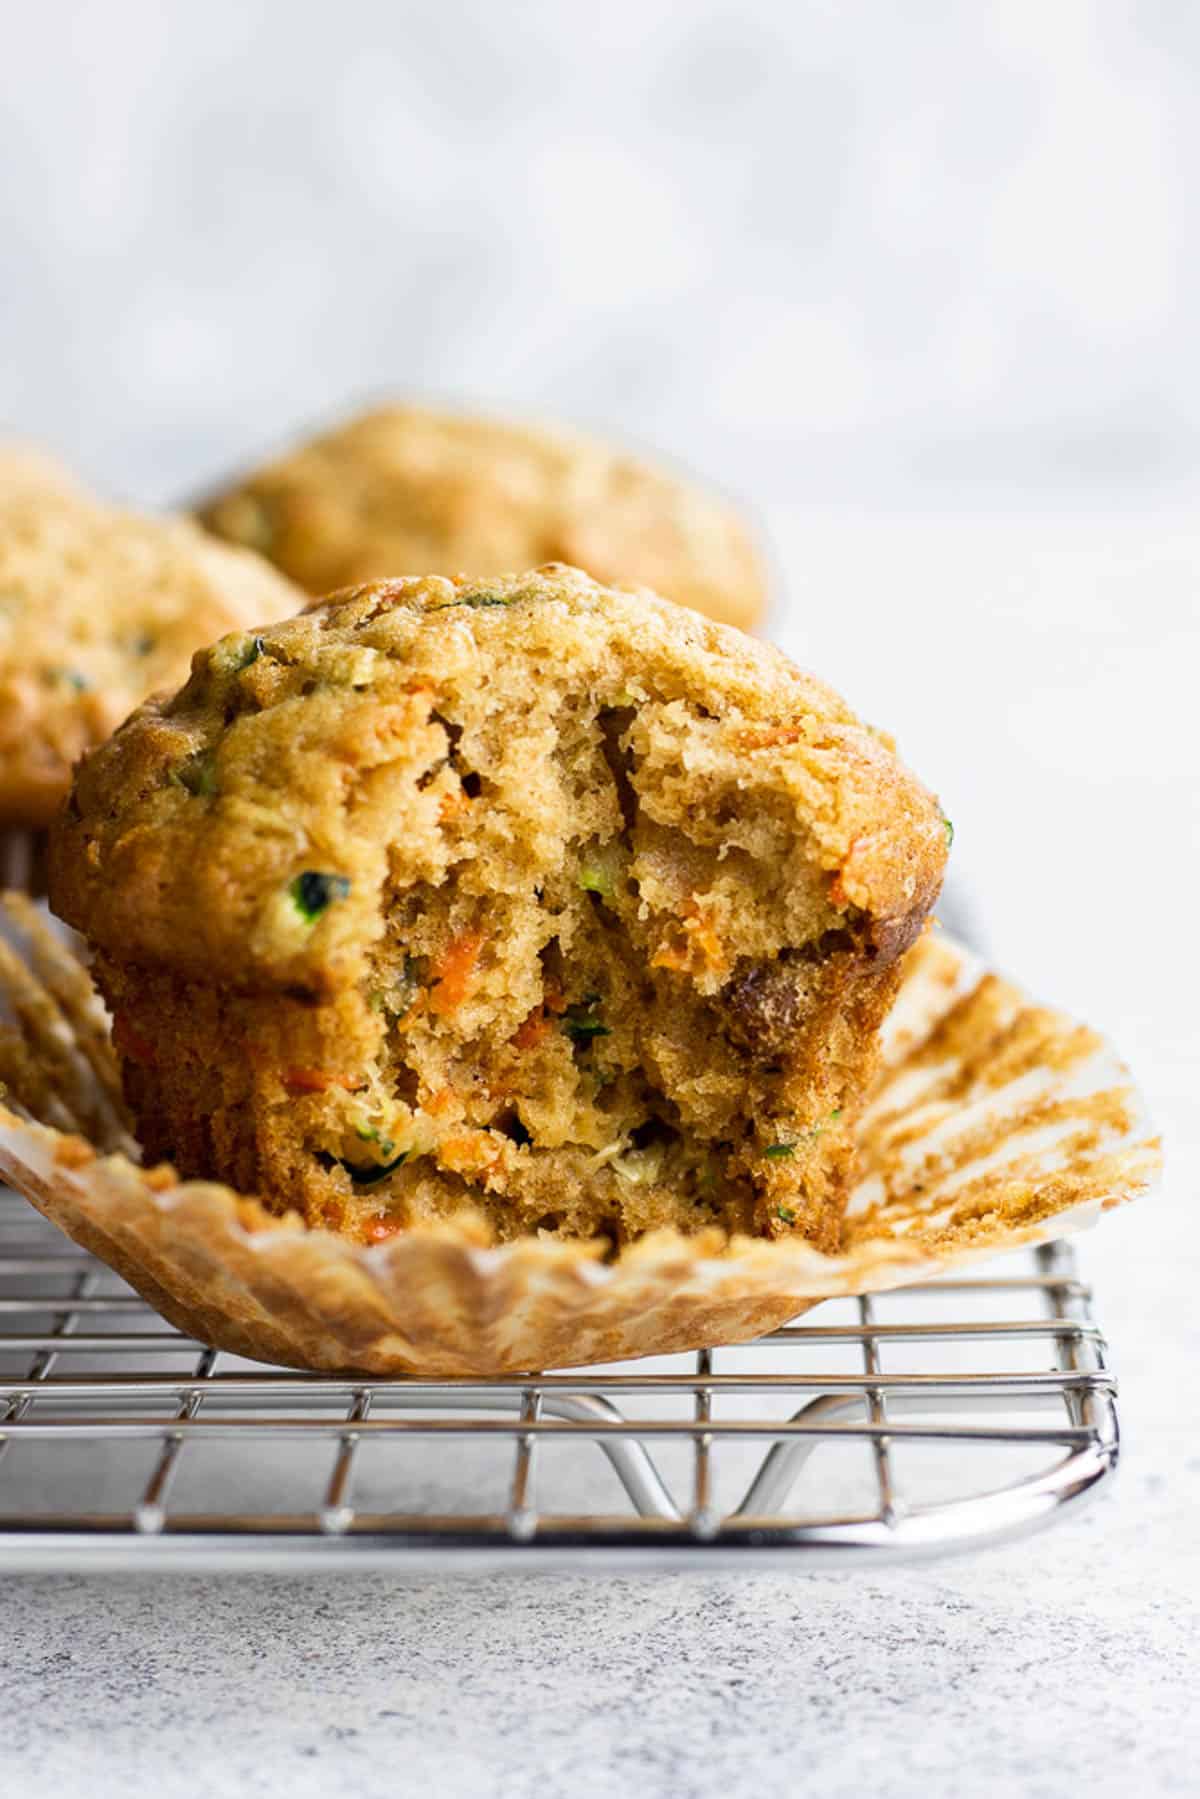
250,830
405,490
98,608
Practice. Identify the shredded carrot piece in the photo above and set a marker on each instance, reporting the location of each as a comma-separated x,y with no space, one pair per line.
128,1041
453,805
380,1229
414,1012
319,1080
837,887
698,950
441,1102
532,1031
768,737
475,1152
453,973
536,1027
672,955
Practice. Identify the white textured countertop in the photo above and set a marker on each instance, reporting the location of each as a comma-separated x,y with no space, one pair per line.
1042,671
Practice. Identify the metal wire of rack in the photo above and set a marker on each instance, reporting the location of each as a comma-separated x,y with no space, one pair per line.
938,1417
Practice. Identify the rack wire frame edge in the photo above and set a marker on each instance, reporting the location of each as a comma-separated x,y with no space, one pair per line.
884,1409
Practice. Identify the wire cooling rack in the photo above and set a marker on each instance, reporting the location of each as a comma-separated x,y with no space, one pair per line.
935,1418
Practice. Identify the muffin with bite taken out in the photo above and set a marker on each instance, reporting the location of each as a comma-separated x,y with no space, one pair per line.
525,900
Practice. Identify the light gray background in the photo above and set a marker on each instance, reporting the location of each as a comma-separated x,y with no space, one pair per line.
814,247
921,283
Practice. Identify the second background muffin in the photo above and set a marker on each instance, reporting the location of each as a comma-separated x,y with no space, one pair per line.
407,490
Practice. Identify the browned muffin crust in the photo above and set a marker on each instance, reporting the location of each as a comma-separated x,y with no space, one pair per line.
405,490
531,898
98,608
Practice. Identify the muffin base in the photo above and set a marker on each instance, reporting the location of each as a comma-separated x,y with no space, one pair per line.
994,1123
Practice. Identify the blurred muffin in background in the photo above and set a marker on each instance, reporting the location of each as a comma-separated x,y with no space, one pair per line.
409,491
98,609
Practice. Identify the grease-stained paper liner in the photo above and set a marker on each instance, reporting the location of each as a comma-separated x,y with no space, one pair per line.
994,1122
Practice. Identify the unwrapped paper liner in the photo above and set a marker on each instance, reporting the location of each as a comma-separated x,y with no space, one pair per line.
994,1122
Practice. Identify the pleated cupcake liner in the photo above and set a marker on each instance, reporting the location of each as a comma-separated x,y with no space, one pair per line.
994,1122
